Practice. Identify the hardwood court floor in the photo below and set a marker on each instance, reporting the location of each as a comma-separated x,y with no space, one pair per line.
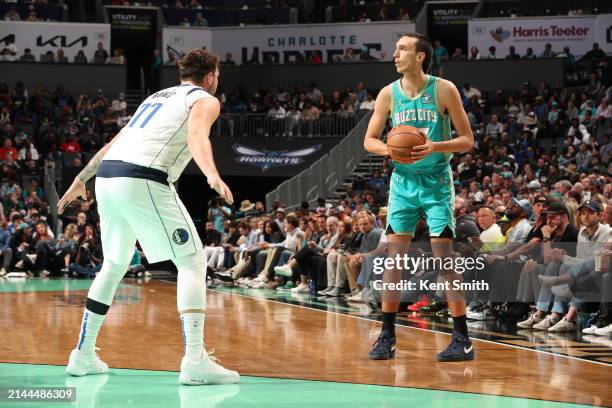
263,338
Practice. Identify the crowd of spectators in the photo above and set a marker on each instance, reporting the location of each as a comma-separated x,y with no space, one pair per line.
49,129
9,52
294,111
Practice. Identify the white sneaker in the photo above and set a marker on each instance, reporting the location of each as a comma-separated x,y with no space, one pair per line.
546,323
301,288
324,291
355,298
604,331
590,330
259,285
147,274
563,326
206,371
284,270
81,364
2,272
528,324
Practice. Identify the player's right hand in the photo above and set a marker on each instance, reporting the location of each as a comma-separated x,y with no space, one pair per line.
76,190
221,188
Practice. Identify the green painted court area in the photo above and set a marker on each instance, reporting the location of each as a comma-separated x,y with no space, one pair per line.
142,388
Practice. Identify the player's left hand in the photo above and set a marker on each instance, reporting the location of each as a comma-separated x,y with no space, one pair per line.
221,188
422,151
76,190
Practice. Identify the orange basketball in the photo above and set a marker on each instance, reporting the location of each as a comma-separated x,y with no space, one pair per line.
400,142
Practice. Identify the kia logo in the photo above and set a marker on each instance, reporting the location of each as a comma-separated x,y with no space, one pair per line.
60,41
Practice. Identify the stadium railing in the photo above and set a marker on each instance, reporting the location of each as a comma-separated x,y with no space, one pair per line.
324,175
260,124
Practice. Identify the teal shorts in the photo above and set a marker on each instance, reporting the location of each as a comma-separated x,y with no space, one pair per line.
413,196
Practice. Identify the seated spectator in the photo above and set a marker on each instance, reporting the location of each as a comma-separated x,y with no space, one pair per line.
512,54
80,58
61,57
228,61
529,54
5,249
66,247
369,242
548,52
494,129
27,56
117,57
172,61
474,54
119,104
12,15
368,103
101,55
88,260
49,56
492,53
9,51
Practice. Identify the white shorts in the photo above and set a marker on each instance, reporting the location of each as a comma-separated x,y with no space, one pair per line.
139,209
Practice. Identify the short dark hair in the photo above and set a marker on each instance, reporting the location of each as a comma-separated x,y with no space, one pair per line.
196,64
293,220
423,44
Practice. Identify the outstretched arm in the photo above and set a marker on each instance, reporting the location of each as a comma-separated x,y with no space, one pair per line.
204,112
372,142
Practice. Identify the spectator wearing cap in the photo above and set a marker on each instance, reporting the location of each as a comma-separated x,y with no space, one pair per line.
279,218
246,209
557,235
519,213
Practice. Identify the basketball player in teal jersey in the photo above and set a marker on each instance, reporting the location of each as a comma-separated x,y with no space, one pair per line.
425,185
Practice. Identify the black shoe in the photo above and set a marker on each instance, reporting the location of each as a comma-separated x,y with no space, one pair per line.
433,308
384,347
459,349
517,312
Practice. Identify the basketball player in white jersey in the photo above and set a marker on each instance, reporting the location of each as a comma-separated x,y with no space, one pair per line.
137,201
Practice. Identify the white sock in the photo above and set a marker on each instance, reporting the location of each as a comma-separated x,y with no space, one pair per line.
193,335
90,326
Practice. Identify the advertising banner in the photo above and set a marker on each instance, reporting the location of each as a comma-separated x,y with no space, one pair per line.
448,22
603,32
577,33
70,37
267,157
288,44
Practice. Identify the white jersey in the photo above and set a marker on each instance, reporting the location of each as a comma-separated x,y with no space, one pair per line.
156,136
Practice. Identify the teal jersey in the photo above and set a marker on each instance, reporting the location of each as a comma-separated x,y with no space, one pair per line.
422,112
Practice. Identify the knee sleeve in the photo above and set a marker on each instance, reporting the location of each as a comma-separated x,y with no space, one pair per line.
105,284
191,281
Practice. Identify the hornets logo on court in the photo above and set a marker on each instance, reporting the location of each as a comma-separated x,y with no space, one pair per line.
180,236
